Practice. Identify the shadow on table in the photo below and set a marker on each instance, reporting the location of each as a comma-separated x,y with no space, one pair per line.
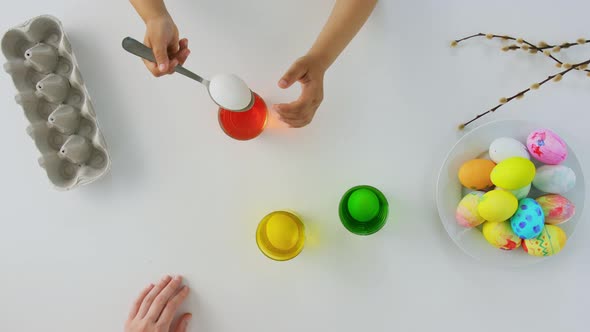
109,101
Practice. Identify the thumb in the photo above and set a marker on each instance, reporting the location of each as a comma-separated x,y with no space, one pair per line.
161,55
182,323
294,73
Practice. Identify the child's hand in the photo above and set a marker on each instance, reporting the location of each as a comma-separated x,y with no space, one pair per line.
162,36
309,71
156,306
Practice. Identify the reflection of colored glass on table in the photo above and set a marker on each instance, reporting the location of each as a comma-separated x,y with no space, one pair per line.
280,235
244,125
363,210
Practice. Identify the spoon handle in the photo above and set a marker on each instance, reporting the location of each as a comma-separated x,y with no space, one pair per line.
134,47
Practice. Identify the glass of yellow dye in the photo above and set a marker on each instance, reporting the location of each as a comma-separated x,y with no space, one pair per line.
280,235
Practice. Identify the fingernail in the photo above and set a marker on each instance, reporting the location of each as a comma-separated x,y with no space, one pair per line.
275,108
162,67
282,83
177,278
166,278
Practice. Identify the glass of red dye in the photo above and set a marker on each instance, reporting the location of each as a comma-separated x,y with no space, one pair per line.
246,125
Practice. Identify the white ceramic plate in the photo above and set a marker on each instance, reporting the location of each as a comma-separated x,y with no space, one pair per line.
449,191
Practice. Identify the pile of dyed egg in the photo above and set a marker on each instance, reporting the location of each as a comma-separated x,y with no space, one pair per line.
499,202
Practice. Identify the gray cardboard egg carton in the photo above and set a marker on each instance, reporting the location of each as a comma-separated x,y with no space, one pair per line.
54,98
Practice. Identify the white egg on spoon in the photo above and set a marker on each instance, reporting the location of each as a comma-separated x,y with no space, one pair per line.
228,91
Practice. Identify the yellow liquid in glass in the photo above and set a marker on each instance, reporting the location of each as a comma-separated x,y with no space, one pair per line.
280,235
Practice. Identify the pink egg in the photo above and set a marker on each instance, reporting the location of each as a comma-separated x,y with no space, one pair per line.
546,146
557,209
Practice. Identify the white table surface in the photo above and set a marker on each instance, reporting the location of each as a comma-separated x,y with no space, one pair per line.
184,198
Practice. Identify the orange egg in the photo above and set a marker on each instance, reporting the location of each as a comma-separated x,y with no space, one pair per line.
475,174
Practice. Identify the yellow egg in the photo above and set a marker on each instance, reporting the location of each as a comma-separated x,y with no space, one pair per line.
475,174
497,205
513,173
280,235
501,235
282,232
551,240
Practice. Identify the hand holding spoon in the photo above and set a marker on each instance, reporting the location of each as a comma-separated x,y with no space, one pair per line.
226,90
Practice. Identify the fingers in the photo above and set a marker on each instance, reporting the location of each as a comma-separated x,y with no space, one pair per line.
173,48
162,49
183,43
181,323
183,52
296,72
175,58
299,122
300,112
151,66
137,304
161,54
182,55
151,296
172,67
163,297
179,56
174,45
295,114
172,306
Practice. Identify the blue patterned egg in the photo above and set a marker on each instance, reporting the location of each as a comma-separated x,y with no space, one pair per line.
529,220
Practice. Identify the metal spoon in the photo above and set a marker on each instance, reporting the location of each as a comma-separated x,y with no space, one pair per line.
235,96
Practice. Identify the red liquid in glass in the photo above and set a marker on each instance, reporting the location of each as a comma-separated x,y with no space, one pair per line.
244,125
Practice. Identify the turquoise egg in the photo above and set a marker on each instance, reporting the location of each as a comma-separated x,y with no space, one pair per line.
529,220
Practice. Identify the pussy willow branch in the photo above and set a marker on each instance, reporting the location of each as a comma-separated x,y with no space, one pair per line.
543,47
556,77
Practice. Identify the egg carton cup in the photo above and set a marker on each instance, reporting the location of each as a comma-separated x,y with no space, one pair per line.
56,103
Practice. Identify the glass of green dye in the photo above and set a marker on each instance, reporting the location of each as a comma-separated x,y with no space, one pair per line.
363,210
